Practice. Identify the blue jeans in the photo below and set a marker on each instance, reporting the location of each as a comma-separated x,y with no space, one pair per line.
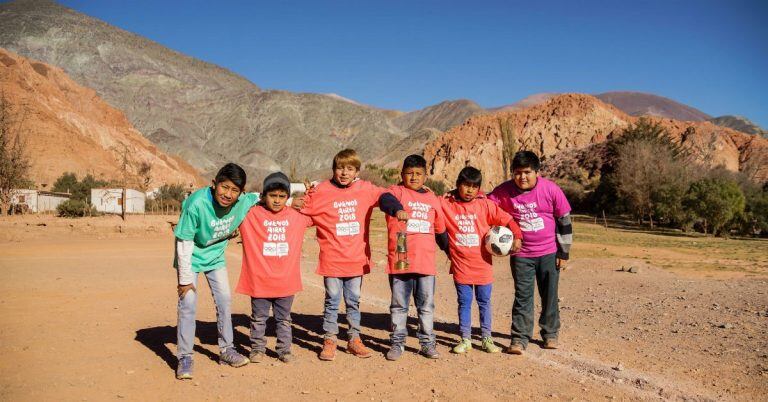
423,289
185,330
544,271
482,294
334,289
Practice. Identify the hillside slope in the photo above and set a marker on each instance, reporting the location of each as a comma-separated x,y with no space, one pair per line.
69,128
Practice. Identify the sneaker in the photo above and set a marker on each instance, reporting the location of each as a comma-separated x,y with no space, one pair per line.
256,356
489,346
429,352
395,351
232,358
286,357
515,348
356,348
184,370
329,350
550,343
464,346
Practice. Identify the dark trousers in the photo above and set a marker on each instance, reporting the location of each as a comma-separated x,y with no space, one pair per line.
544,271
281,308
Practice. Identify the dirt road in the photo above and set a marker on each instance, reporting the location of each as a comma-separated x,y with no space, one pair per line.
87,312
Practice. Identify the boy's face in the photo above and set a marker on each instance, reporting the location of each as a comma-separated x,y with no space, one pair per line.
275,200
226,193
345,174
468,191
414,177
525,178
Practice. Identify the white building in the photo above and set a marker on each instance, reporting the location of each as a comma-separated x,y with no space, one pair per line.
110,200
38,201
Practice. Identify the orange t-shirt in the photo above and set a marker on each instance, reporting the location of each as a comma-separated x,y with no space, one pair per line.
467,223
272,252
425,219
342,217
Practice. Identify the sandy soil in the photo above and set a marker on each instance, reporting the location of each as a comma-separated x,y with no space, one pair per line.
87,312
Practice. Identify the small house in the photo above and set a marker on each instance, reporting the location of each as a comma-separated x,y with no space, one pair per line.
110,200
36,201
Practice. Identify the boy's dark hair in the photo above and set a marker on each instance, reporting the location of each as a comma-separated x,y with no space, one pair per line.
526,159
470,175
232,172
414,161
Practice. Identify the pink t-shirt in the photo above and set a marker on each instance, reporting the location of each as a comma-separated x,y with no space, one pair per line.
342,217
467,223
425,219
535,211
272,252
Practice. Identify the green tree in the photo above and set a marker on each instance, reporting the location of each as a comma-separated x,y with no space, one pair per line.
80,190
716,202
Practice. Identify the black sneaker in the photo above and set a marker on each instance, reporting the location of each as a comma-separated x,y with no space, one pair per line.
429,351
395,351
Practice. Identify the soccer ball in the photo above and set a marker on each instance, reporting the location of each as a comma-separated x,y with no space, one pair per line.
498,241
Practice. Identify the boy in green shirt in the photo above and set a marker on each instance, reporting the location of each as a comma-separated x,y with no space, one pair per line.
208,219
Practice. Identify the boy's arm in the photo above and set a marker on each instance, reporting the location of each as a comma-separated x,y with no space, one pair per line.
563,226
564,234
184,249
441,232
389,204
442,242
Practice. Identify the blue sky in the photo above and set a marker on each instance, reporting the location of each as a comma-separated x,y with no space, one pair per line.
405,55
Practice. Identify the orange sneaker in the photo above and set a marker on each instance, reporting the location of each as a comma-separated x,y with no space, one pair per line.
356,348
329,350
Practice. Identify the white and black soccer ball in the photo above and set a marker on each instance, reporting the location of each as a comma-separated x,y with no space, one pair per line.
498,241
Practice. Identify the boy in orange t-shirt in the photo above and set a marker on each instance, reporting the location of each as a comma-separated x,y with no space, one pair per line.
271,272
423,227
341,210
468,217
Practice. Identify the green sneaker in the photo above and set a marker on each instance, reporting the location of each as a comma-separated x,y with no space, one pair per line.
489,346
464,346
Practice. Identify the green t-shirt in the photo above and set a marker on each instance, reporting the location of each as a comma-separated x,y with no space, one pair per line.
209,226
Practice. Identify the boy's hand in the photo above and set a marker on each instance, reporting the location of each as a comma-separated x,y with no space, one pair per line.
183,289
517,244
562,265
234,234
298,202
402,216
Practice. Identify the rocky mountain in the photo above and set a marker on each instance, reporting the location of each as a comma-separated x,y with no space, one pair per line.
68,128
740,123
528,101
200,111
643,104
571,122
442,116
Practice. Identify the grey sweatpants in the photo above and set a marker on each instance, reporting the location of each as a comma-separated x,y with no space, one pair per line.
281,308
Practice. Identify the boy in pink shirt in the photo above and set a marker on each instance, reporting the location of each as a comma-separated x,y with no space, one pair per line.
271,272
543,213
423,227
341,209
468,217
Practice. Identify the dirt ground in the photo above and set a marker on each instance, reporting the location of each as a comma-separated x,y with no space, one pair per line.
88,312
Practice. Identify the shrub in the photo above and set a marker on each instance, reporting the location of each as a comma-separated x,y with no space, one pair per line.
717,203
75,209
438,187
